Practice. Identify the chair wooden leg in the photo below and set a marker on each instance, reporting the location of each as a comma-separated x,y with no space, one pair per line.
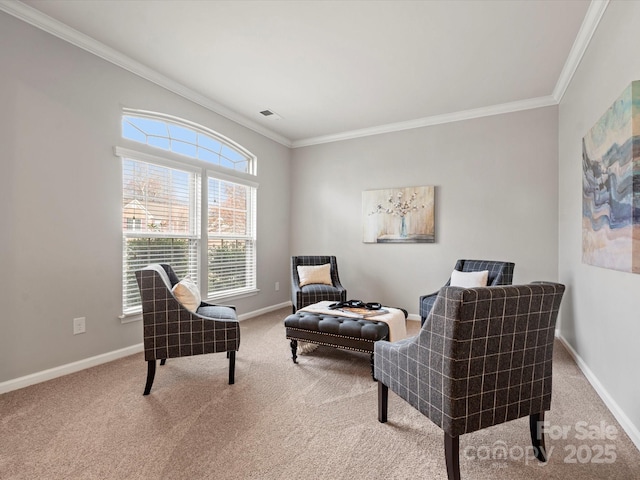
383,402
151,373
232,366
537,435
163,361
452,456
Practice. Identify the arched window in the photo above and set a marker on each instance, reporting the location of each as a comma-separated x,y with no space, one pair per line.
185,138
189,200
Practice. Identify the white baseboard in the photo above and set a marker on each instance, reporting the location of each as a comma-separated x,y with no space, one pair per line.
264,310
73,367
630,429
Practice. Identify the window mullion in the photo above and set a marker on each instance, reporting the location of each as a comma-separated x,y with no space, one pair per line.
204,235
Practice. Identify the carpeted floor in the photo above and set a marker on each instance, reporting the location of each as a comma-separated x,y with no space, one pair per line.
314,420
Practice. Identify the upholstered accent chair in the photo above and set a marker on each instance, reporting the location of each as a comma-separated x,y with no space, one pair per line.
301,296
483,357
170,330
500,273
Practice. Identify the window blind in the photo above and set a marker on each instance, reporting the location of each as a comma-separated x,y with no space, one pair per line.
161,222
231,252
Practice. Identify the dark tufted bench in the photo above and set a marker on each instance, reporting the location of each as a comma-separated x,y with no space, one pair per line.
334,331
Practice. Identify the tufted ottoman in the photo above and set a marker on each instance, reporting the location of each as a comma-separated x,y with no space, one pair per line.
334,331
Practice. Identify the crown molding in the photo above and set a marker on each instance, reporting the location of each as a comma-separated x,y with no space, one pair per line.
38,19
44,22
587,30
430,121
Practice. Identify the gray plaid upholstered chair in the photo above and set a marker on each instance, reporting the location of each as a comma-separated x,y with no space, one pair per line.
483,357
309,294
170,330
500,273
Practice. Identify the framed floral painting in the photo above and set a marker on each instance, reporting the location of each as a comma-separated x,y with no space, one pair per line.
399,215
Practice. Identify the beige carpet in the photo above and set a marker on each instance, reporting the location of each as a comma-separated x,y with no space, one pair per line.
314,420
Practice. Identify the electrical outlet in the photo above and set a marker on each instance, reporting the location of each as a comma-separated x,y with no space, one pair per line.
79,325
277,286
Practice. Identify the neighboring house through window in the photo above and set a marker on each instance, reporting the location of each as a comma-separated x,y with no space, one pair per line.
189,200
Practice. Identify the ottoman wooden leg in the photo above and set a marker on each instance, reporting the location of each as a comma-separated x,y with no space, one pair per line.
294,350
373,373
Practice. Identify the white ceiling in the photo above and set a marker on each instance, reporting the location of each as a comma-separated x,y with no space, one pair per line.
335,69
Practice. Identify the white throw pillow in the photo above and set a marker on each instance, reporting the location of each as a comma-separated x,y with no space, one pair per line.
469,279
309,274
187,293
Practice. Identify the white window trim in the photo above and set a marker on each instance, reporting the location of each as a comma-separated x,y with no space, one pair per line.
205,170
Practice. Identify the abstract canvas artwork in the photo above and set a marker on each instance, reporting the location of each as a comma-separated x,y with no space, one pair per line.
398,215
611,186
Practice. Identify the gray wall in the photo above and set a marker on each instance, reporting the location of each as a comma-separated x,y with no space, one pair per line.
496,184
496,198
600,315
60,240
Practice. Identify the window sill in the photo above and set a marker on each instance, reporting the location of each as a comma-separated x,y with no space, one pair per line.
130,317
231,296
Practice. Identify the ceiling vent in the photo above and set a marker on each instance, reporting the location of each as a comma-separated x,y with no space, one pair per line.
271,115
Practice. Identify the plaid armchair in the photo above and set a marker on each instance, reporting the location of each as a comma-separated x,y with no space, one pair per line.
500,273
170,330
309,294
483,357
